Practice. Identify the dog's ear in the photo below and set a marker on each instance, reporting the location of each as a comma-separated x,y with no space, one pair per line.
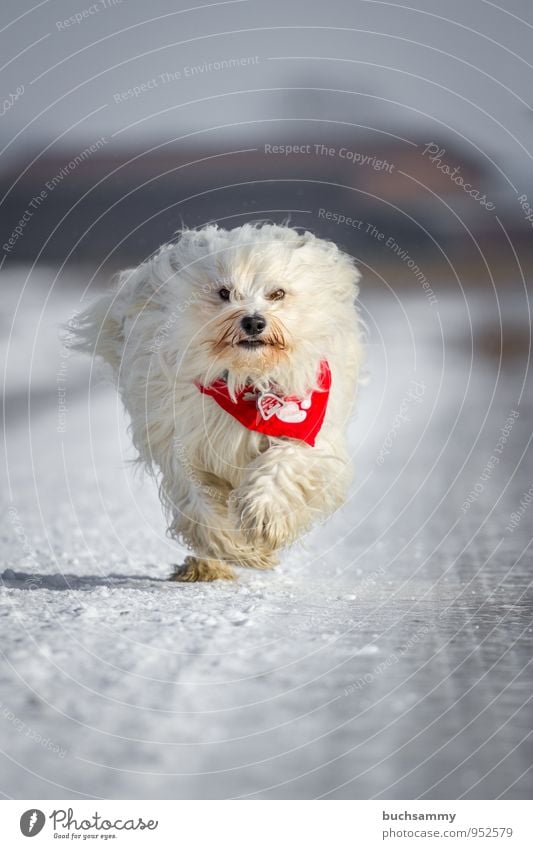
330,263
191,248
191,244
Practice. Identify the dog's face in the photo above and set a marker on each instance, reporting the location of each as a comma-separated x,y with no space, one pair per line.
250,328
258,300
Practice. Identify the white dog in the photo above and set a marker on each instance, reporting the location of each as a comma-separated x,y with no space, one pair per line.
237,355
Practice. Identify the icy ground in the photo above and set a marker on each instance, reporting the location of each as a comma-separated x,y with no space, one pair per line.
388,657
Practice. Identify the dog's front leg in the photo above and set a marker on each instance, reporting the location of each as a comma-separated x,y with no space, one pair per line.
200,519
285,489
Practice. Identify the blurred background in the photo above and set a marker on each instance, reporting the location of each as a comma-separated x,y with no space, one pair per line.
404,134
147,119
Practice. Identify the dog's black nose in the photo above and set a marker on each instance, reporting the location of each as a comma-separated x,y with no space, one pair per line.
253,324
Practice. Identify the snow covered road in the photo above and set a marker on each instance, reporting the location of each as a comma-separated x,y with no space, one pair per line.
390,654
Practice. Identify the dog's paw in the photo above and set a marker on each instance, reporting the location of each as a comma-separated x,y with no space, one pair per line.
270,523
202,569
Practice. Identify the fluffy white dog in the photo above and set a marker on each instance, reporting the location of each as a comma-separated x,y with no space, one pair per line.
236,354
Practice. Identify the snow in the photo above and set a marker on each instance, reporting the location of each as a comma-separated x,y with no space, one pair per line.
389,654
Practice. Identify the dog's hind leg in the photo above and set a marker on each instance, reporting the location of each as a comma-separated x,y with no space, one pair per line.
202,569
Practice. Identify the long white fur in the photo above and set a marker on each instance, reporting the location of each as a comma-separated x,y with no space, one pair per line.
233,495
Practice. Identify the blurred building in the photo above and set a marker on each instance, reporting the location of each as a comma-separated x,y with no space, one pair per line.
108,206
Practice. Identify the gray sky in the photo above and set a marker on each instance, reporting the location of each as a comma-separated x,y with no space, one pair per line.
460,69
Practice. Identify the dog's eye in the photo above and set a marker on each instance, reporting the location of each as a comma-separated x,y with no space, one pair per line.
224,293
278,295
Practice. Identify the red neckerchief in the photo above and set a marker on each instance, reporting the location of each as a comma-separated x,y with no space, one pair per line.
274,415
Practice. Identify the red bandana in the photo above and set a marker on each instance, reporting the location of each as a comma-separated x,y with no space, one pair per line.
273,415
